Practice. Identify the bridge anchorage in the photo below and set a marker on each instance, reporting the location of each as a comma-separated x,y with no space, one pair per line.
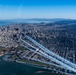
56,63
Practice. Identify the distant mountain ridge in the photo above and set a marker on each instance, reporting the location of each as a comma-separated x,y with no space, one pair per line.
66,22
38,20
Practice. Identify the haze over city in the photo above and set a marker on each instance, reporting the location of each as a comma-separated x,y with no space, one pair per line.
37,37
16,9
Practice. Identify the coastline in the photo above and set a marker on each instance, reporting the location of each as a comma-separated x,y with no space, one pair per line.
32,65
45,68
57,72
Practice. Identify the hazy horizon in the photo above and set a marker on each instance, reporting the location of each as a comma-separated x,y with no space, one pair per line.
25,9
38,19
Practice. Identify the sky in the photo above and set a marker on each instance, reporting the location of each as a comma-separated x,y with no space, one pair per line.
23,9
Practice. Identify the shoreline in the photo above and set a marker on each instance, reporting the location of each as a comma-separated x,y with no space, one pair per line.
45,68
5,58
32,65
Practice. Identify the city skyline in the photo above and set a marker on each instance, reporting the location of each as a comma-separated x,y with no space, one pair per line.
23,9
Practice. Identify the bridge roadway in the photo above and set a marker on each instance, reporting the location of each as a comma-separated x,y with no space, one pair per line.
51,53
